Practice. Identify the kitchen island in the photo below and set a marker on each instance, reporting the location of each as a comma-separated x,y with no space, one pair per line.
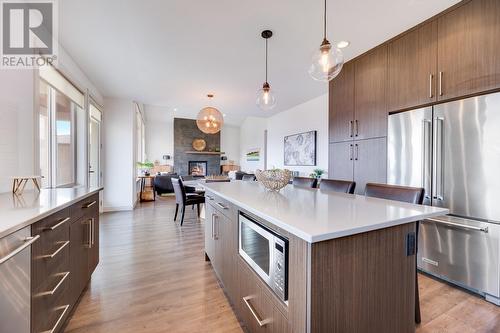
49,248
349,260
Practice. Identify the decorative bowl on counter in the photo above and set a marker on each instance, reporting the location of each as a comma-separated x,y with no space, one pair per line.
275,179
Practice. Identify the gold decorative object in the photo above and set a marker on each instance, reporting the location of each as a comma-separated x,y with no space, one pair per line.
199,144
210,120
275,179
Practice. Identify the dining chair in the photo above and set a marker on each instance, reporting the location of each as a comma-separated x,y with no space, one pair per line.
183,200
249,177
305,182
414,195
334,185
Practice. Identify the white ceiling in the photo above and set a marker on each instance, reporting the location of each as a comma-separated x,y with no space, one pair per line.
172,53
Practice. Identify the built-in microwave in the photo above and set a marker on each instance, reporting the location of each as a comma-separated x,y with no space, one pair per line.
266,252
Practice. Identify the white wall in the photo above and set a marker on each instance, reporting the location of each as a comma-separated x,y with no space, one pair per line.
252,136
230,142
309,116
159,134
118,154
17,124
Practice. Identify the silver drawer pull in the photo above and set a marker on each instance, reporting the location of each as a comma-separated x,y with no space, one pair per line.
89,205
54,329
50,256
27,242
459,225
254,312
221,205
53,291
61,222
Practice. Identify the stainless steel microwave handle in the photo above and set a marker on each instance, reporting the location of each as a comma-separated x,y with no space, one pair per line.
27,242
460,225
261,322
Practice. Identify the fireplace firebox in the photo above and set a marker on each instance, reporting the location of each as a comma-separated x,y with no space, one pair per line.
197,168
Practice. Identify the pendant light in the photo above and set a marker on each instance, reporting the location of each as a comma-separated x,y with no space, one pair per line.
266,100
328,60
209,119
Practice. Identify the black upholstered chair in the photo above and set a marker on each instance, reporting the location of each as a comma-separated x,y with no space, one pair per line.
305,182
414,195
182,199
238,175
334,185
163,183
249,177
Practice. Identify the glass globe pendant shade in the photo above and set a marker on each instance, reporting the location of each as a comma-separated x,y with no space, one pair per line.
266,99
210,120
327,62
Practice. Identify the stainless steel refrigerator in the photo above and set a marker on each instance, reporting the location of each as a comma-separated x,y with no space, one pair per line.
453,151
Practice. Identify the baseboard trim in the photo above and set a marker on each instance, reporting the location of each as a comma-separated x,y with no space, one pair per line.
117,209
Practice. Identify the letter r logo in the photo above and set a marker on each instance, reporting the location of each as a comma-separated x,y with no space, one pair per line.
27,27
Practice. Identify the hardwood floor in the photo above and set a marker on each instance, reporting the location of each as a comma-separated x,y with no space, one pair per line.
152,277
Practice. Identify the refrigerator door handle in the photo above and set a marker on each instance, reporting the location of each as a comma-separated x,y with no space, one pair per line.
438,159
426,156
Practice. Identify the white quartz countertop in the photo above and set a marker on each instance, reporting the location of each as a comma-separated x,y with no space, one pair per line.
316,215
19,211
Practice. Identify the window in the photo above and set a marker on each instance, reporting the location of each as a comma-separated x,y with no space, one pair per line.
60,108
141,136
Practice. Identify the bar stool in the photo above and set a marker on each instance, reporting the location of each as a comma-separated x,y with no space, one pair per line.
334,185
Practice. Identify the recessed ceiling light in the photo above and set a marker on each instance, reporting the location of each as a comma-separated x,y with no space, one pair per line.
223,114
343,44
175,109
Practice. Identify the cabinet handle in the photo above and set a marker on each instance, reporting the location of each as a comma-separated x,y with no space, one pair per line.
356,123
53,291
221,205
93,231
357,152
261,322
27,242
89,205
214,236
61,222
351,128
459,225
54,329
431,77
351,152
51,256
209,197
440,83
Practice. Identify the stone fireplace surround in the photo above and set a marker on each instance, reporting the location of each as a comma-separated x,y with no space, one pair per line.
185,131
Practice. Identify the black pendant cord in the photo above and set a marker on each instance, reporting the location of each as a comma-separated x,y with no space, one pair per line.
266,60
324,23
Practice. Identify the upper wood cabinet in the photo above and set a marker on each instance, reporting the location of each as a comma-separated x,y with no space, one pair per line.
341,105
370,102
412,68
468,43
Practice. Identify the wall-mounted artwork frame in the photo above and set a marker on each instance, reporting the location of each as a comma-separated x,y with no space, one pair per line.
300,149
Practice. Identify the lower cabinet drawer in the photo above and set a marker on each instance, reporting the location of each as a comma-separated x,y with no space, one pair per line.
50,306
256,309
86,207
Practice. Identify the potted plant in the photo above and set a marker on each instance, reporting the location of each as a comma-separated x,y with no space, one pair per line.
145,167
317,173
